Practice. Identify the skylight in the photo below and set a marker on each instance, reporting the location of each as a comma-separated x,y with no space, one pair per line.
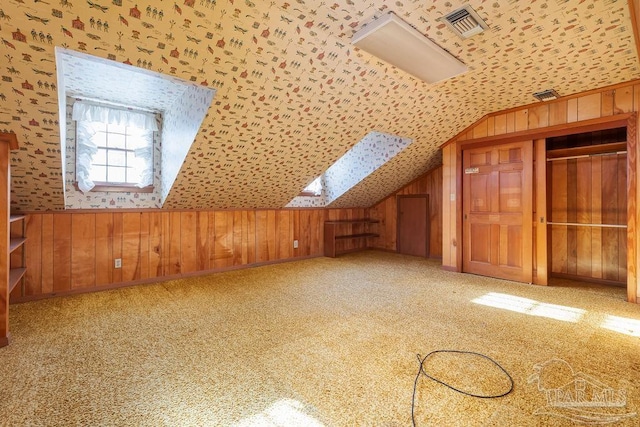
364,158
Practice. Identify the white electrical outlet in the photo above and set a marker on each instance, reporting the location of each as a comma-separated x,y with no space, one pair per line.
118,263
295,244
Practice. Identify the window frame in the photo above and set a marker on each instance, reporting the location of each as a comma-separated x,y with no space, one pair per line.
119,187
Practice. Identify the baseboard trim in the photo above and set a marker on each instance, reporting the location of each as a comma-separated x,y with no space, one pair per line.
111,286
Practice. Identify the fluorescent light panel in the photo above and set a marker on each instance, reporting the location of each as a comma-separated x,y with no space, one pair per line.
401,45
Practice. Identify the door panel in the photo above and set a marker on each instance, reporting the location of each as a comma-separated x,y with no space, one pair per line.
413,225
497,208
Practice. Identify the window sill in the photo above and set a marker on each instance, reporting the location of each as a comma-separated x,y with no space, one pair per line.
117,188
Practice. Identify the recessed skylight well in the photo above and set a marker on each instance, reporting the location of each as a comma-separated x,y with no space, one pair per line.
182,105
401,45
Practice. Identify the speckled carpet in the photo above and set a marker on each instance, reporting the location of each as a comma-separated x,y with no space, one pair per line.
324,342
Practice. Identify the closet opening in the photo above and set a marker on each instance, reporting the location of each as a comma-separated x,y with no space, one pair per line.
587,206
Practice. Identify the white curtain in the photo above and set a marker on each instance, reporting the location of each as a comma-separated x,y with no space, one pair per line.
88,116
85,111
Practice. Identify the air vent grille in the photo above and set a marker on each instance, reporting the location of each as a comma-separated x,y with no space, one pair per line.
465,22
546,95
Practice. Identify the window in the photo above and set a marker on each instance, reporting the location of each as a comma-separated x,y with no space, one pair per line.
314,188
114,148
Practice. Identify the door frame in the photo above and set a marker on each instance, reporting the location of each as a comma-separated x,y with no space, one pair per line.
428,221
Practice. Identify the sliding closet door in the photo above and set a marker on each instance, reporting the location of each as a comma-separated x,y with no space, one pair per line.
497,211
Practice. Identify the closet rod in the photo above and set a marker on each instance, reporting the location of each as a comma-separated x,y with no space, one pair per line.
582,156
588,225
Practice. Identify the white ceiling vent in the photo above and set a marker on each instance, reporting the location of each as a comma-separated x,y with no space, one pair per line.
465,22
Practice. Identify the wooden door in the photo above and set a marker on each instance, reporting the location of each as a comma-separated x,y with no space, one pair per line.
497,211
413,225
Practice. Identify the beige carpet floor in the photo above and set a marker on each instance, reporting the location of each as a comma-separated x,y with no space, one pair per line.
325,342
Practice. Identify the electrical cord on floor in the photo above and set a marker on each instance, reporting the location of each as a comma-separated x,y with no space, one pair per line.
421,371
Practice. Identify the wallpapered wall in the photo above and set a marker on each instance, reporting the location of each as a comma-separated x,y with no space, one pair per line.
293,93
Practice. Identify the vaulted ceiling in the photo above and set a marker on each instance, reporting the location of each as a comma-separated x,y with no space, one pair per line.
293,95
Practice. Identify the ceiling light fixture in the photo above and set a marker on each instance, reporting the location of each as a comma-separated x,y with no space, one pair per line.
546,95
401,45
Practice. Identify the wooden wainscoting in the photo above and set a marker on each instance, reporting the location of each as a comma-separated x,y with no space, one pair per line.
70,252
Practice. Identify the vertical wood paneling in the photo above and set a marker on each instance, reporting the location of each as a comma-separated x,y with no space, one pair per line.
284,242
558,112
156,267
595,194
491,126
83,252
238,238
589,106
174,244
610,244
223,240
249,222
558,175
386,211
622,217
202,240
500,124
481,129
70,251
62,252
145,222
522,120
118,230
583,216
47,258
623,100
188,242
607,106
596,217
130,246
539,116
33,255
572,110
104,249
511,122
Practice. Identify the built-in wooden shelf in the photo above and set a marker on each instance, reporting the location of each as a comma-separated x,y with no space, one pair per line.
354,221
16,242
15,275
14,218
345,229
12,266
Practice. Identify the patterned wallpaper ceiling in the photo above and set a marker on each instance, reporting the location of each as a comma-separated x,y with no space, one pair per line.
293,95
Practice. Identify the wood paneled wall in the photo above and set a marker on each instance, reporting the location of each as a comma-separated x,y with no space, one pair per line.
70,252
386,211
590,190
532,121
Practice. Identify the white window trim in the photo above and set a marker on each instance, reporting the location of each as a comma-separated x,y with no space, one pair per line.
84,113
